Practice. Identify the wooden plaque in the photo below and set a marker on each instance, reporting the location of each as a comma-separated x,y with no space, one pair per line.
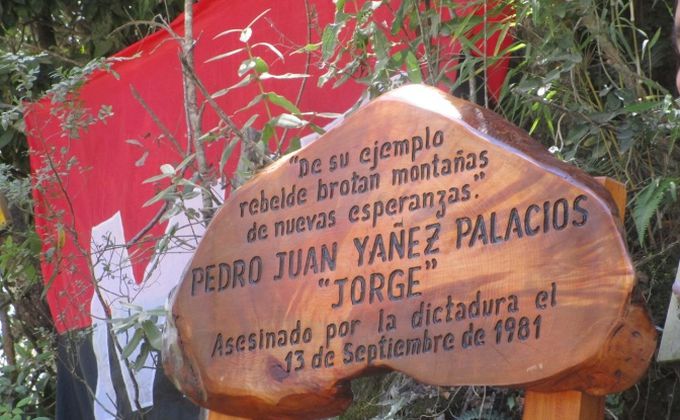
424,235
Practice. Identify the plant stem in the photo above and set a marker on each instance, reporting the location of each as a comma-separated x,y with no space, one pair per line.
191,109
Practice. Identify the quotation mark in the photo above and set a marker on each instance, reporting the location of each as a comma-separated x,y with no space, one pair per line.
431,264
479,176
324,282
293,160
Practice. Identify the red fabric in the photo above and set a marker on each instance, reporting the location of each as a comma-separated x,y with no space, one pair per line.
97,171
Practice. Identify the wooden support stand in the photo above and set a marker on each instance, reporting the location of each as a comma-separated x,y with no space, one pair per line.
573,405
567,405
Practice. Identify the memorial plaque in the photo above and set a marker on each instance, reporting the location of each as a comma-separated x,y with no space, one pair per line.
424,235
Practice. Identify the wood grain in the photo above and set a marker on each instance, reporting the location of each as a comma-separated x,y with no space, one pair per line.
568,405
516,260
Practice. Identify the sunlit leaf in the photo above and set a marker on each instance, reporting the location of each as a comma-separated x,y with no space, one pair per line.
153,334
288,121
265,76
270,47
227,32
243,82
167,169
224,55
245,35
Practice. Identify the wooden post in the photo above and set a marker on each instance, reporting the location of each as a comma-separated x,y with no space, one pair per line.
573,405
567,405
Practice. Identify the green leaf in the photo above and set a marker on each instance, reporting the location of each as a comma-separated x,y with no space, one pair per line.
6,138
250,122
132,306
413,68
252,22
141,358
133,343
281,101
256,100
329,40
643,106
243,82
123,324
265,76
155,178
224,55
165,194
227,32
317,129
307,48
381,48
267,132
649,200
270,47
226,153
185,162
252,63
294,144
153,334
648,44
156,312
399,17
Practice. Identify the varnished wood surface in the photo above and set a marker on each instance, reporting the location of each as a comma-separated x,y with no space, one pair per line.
557,283
567,405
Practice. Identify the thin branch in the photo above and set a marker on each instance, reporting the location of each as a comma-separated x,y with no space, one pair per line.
157,120
191,110
220,112
149,225
308,60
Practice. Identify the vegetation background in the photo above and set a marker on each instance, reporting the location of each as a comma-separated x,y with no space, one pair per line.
592,80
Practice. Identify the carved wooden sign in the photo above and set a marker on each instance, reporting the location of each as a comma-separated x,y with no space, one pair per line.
424,235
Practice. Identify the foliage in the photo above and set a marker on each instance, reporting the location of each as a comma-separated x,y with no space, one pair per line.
648,202
39,39
440,43
28,373
147,335
44,44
